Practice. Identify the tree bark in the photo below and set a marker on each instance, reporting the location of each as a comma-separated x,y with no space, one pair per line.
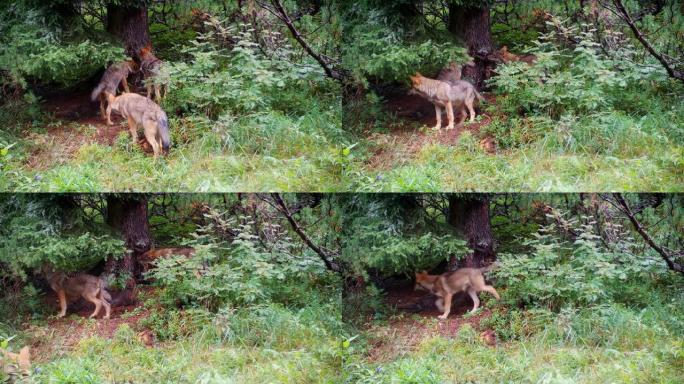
471,25
470,217
129,24
128,216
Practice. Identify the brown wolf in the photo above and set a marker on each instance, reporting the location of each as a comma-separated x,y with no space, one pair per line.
109,83
16,363
149,257
444,286
91,288
441,94
151,67
140,110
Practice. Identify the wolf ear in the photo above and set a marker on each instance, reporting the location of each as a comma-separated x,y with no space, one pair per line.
110,97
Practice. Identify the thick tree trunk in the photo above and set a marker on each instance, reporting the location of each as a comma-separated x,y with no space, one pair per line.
470,217
130,25
471,25
128,216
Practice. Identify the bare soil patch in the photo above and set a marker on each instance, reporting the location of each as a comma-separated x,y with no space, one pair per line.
418,320
414,131
77,123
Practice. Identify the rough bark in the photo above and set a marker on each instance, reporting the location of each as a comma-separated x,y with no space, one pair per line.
470,217
129,24
128,216
471,25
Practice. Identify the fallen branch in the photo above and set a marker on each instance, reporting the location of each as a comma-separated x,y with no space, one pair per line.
329,264
281,13
673,72
639,228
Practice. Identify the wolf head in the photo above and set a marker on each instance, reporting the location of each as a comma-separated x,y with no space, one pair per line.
416,80
424,281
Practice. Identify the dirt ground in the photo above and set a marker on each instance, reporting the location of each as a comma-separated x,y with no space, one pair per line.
59,336
417,320
77,123
406,139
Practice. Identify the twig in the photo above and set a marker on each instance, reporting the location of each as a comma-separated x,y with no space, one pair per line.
639,228
330,265
673,72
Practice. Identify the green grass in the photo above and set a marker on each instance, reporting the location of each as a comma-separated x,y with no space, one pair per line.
609,343
616,154
267,343
262,153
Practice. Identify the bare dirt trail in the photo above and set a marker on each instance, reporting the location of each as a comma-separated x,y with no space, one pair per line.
406,139
75,116
418,321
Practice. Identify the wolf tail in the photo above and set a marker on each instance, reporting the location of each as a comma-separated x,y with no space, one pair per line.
96,92
164,132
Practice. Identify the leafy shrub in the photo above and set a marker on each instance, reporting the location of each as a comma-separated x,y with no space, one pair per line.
561,81
557,273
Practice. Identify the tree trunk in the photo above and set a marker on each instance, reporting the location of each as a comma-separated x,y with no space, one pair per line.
470,217
128,216
130,25
471,25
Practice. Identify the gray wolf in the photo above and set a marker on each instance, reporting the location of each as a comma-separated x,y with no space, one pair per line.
457,94
444,286
140,110
72,286
151,67
453,72
150,257
109,83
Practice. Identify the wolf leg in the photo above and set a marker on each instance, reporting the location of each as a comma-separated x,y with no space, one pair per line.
439,303
491,290
103,111
148,85
133,129
157,92
450,115
438,113
447,306
150,128
92,297
469,104
61,295
464,114
105,304
124,82
476,300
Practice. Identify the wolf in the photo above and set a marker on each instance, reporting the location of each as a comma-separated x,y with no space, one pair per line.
453,72
151,67
444,286
116,74
15,364
457,94
140,110
148,258
91,288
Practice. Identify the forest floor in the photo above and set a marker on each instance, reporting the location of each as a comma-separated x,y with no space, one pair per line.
407,155
71,149
501,343
405,139
76,122
148,343
416,319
